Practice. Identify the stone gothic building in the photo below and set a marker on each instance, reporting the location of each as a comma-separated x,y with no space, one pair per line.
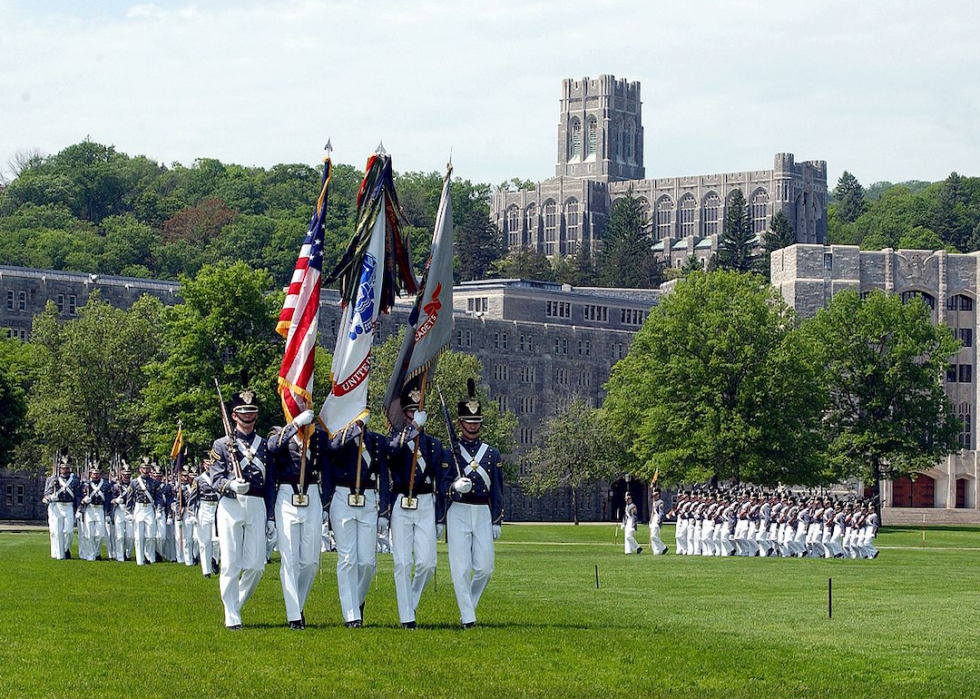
600,158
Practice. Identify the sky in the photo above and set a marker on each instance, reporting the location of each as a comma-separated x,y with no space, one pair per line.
886,89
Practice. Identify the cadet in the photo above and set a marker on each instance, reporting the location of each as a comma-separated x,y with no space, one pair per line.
629,526
413,506
356,460
298,511
186,515
94,508
657,546
166,550
146,499
122,515
474,486
207,542
61,495
245,508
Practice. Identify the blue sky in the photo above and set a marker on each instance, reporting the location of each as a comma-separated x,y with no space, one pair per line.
885,89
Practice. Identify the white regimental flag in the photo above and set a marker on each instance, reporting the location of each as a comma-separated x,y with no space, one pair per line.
347,400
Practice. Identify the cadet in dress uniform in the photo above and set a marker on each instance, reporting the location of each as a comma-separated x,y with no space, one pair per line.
657,546
146,499
245,510
122,513
629,527
414,462
352,477
298,511
62,496
186,515
205,531
473,482
165,547
94,507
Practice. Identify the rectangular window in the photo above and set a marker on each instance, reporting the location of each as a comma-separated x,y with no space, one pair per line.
22,301
599,314
502,405
585,378
501,372
966,373
527,405
558,309
10,300
61,303
632,316
527,343
478,305
561,345
951,373
20,495
527,435
828,261
966,336
10,495
464,338
503,341
561,377
71,304
527,374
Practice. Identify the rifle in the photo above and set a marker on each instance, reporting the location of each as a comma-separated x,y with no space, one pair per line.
229,435
451,433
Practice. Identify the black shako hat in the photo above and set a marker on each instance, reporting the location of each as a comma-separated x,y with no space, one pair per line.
412,394
470,410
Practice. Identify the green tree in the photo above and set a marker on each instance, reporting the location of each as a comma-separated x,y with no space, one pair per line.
523,263
850,198
884,364
718,384
13,401
627,260
89,375
779,236
575,450
736,246
225,326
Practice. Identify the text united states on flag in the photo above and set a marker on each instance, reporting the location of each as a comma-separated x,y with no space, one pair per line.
300,315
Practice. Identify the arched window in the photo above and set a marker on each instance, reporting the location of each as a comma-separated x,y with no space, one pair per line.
643,204
963,413
760,211
512,225
663,217
686,211
572,231
531,223
590,134
928,298
630,138
550,211
575,138
710,208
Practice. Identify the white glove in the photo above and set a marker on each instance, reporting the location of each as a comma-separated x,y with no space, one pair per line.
440,530
463,485
270,529
364,420
496,532
304,418
129,518
86,500
420,418
78,516
170,520
239,486
118,501
192,520
383,526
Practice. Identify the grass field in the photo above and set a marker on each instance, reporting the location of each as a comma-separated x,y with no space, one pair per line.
904,625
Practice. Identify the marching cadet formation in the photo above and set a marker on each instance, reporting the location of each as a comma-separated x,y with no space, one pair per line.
405,488
748,523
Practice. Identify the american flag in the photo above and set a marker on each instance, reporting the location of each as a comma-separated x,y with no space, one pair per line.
300,315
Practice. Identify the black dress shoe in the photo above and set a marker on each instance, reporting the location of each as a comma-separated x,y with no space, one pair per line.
207,575
469,624
98,557
409,625
236,627
639,549
302,617
214,566
356,624
68,555
297,625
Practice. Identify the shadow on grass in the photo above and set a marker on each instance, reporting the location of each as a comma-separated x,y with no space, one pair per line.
932,527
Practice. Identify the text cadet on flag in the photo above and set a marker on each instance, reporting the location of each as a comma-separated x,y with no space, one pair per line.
375,266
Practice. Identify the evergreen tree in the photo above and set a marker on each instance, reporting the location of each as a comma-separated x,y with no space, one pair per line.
850,198
584,267
627,260
779,236
736,247
523,263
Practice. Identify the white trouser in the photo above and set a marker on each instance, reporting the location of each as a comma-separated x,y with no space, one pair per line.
188,543
298,533
205,533
629,539
835,548
680,537
93,531
799,538
144,529
751,543
356,532
61,523
868,549
694,537
241,533
123,531
110,537
724,544
470,533
762,538
707,537
413,540
739,537
657,546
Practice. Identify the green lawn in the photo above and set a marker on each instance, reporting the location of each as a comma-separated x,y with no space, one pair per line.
906,624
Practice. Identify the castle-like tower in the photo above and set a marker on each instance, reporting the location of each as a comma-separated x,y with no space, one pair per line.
600,158
600,129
